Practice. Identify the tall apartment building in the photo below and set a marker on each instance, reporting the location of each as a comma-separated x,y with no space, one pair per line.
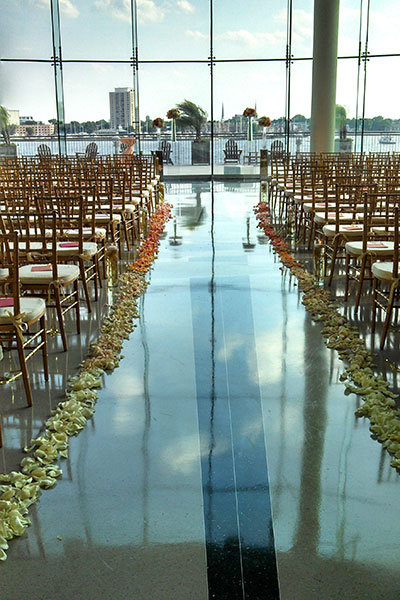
122,108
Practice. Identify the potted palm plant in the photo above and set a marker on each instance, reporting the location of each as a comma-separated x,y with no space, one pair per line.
194,117
343,143
6,149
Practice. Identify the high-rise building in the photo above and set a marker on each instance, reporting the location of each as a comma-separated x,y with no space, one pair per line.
122,108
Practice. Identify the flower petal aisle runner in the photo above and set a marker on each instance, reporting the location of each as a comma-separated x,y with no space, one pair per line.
379,402
38,470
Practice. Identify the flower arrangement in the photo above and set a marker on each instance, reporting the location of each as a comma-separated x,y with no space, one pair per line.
20,489
264,122
250,112
158,122
173,113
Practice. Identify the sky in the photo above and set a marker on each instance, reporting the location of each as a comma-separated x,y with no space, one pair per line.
179,29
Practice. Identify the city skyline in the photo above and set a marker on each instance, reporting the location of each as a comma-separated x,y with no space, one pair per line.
237,35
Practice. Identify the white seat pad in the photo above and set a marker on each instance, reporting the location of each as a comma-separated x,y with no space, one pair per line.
105,218
89,249
3,273
382,230
33,308
330,230
308,207
319,217
355,248
383,270
129,208
66,274
100,233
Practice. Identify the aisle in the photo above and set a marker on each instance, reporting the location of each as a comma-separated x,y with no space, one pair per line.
227,409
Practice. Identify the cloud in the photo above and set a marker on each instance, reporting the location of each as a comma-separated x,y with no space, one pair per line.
248,38
67,8
185,6
196,35
121,9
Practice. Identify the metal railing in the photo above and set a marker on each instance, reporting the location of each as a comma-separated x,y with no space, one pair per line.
181,150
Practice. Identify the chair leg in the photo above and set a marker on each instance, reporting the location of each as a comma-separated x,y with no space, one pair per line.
84,283
57,298
347,269
44,348
126,236
24,370
333,260
386,324
374,294
360,282
98,274
77,313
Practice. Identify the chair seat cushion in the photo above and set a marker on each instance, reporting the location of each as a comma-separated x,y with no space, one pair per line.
89,249
319,217
129,208
100,233
382,230
31,310
308,207
106,218
354,231
384,248
66,274
383,270
4,273
140,193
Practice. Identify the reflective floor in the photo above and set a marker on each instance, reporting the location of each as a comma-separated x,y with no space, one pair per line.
224,459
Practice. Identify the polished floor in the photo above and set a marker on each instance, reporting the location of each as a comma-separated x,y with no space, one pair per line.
224,460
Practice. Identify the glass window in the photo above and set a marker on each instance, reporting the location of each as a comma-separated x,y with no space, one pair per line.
35,109
96,30
384,19
173,30
302,30
25,30
179,82
255,29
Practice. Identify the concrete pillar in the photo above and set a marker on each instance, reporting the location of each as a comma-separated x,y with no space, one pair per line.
326,22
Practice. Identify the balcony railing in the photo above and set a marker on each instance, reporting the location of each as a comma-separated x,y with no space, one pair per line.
181,150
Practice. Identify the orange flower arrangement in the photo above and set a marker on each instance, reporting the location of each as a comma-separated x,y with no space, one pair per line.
158,122
264,122
249,112
173,113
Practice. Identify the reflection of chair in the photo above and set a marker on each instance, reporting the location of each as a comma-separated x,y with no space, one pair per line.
165,148
44,151
232,153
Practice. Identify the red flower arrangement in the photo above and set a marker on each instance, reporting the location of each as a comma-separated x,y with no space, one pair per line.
158,122
249,112
173,113
264,122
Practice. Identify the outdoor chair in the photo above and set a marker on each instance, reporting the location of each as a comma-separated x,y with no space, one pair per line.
231,152
165,148
44,151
